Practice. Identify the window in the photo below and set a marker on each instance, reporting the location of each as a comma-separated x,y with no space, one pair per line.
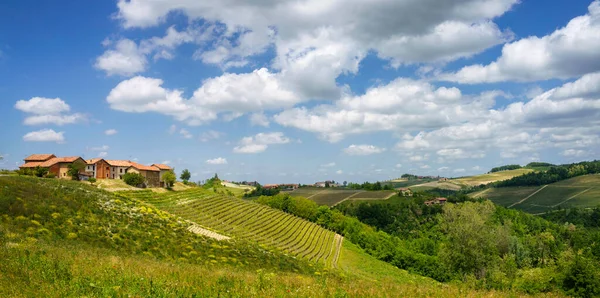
121,170
64,174
106,175
120,176
113,176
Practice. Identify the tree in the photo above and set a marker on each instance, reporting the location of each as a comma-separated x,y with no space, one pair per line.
345,183
169,178
75,168
327,184
185,176
92,180
40,172
134,179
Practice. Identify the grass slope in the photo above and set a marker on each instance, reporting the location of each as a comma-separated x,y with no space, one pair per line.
246,220
66,239
332,196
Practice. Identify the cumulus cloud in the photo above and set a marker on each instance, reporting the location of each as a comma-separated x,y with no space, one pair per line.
260,142
126,58
110,132
363,150
217,161
565,53
44,135
328,165
339,172
403,104
48,111
101,148
102,154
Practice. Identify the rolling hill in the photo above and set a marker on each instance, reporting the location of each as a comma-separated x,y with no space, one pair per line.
64,238
581,191
241,219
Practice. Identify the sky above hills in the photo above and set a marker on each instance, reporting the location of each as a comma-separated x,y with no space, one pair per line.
300,91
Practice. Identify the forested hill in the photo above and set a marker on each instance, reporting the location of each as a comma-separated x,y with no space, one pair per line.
553,174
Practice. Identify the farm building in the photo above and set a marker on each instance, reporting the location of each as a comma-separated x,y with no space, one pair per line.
436,201
405,192
151,173
163,169
58,166
98,168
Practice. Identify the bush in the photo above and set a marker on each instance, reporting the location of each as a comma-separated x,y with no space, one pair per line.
92,180
134,179
50,175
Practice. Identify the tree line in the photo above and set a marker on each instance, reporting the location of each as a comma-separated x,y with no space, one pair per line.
553,174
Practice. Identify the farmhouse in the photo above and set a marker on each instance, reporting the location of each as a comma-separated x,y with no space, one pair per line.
436,201
405,192
98,168
58,166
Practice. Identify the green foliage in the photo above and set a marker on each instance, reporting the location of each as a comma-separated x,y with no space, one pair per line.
185,175
261,191
134,179
213,182
92,180
583,278
40,172
75,168
368,186
505,168
50,175
169,179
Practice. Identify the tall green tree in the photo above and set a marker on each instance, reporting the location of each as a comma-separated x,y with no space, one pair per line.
185,175
169,179
75,168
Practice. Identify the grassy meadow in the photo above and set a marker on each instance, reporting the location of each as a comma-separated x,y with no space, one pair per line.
333,196
491,177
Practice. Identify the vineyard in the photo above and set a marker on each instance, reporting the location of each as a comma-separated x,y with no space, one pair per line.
331,197
248,220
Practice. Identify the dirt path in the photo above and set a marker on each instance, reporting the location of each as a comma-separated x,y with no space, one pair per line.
572,197
338,248
529,196
196,229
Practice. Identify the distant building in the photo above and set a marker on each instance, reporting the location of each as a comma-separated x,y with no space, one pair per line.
436,201
405,192
59,166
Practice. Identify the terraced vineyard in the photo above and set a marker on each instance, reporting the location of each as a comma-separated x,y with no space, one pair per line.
248,220
331,196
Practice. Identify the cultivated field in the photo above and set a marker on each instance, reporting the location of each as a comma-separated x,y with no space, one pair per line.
491,177
436,184
582,191
331,197
242,219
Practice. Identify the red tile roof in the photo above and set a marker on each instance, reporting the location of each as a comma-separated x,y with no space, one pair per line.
119,163
39,157
93,161
50,162
142,167
161,166
31,164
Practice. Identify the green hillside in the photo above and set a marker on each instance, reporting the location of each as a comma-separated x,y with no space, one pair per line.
491,177
63,238
247,220
581,191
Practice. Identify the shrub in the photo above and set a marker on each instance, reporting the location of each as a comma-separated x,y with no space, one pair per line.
50,175
169,179
92,180
134,179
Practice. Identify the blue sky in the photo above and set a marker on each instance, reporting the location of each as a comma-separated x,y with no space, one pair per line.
300,91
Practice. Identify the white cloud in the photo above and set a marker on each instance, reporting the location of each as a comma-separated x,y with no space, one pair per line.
339,172
328,165
101,148
172,129
565,53
363,150
125,59
48,111
110,132
260,142
259,119
425,167
574,153
102,154
210,135
217,161
398,165
476,168
185,133
459,170
44,135
442,169
166,162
